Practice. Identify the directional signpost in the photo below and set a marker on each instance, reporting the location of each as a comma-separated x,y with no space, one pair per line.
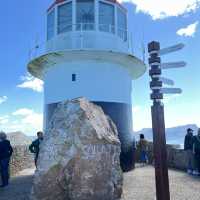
157,110
171,90
171,49
173,65
166,81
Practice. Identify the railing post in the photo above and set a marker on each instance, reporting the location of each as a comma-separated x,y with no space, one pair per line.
96,24
74,16
110,28
81,35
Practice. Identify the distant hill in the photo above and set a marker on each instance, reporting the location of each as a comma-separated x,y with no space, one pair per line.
19,138
174,135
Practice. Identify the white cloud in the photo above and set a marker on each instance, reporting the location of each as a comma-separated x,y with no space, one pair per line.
23,112
188,31
24,119
3,99
29,117
136,109
35,120
160,9
141,117
30,82
4,119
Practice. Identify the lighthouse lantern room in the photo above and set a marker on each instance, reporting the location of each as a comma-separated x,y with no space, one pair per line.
87,53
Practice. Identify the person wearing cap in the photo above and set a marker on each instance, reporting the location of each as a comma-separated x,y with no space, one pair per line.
188,147
196,151
6,151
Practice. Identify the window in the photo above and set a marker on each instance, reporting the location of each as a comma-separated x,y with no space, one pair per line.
51,24
65,18
73,77
106,17
122,24
85,14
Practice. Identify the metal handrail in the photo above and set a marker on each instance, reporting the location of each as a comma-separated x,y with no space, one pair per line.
109,28
38,49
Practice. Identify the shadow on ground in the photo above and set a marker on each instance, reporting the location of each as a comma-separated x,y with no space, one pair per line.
139,184
19,188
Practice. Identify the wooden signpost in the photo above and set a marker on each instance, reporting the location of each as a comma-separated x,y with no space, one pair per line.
157,111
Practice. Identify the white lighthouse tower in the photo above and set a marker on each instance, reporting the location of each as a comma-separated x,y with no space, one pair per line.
88,54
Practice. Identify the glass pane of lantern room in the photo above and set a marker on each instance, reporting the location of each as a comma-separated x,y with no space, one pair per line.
51,24
85,15
122,24
106,17
65,18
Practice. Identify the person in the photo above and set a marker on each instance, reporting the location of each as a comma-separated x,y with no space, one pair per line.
6,151
188,147
35,146
143,147
196,151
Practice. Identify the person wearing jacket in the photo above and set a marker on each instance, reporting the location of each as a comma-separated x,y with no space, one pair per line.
35,146
188,147
6,151
196,151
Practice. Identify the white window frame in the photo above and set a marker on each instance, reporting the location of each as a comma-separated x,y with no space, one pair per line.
60,4
125,12
94,1
114,6
55,24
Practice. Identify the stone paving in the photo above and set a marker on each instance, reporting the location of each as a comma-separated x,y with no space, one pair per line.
19,188
138,185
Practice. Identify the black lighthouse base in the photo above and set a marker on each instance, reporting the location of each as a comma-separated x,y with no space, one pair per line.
121,114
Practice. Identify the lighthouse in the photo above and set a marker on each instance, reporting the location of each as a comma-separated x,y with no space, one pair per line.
88,54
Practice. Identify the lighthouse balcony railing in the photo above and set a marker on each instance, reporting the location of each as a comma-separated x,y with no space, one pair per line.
84,27
122,33
41,48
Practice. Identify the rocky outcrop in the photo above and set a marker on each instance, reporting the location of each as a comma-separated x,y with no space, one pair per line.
79,157
19,139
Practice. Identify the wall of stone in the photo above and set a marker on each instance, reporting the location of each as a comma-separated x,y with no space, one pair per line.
21,159
177,158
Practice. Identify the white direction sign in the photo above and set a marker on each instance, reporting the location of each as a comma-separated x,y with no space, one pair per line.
173,65
171,90
171,49
167,81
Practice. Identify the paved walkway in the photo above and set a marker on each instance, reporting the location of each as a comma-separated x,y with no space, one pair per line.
20,186
138,185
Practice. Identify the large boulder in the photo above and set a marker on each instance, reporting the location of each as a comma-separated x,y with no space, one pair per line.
79,157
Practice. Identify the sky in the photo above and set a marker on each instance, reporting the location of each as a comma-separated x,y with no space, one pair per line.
167,21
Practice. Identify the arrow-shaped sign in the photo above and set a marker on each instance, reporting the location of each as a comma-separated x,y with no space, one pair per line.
171,49
167,81
171,90
173,65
